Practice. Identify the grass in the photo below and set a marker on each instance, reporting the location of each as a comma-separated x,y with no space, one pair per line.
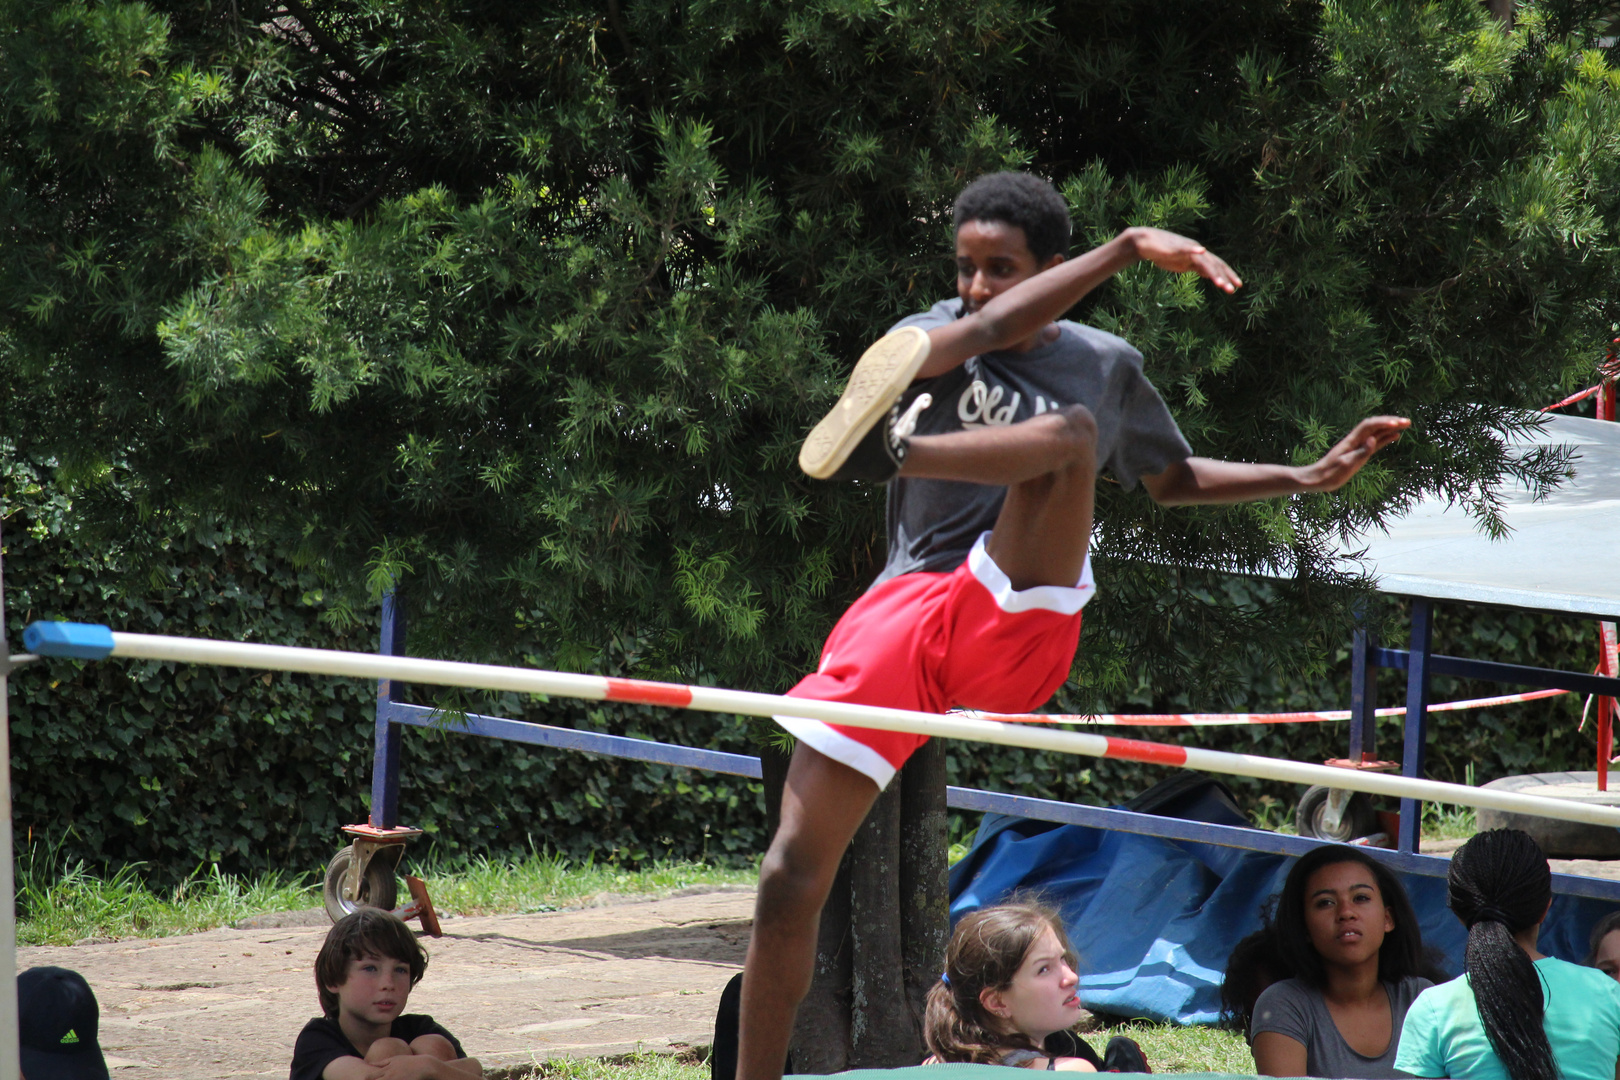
1173,1049
543,882
1169,1049
631,1067
642,1066
59,903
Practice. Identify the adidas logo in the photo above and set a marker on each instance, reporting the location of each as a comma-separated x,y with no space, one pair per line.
71,1038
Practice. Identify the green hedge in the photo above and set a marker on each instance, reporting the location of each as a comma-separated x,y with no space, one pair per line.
174,765
1538,736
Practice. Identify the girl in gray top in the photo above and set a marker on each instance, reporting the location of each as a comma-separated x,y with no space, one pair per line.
1348,932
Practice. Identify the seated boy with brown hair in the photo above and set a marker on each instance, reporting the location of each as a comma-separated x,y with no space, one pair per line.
364,974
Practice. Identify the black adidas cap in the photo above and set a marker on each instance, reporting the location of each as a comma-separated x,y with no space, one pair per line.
57,1020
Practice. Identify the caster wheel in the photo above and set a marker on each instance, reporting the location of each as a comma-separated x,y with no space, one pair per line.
1359,819
378,888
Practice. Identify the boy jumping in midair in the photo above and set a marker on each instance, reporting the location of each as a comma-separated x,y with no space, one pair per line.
991,420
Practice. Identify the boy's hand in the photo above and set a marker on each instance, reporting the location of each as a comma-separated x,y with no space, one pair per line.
1179,255
1353,451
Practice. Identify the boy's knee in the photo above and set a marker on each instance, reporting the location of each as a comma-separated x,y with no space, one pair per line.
434,1046
791,878
383,1049
1072,433
1079,426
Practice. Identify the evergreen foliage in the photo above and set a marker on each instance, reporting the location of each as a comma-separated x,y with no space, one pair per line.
527,306
181,766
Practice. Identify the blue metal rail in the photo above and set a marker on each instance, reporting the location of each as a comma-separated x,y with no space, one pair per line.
1419,662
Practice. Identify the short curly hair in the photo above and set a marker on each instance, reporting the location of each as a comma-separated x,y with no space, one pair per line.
364,932
1020,199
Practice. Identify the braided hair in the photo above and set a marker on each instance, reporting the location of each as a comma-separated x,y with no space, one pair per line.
1499,886
986,951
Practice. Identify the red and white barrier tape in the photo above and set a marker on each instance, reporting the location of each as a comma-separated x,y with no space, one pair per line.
1573,398
1228,719
714,699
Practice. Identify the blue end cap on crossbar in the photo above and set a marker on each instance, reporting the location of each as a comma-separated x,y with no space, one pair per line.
82,641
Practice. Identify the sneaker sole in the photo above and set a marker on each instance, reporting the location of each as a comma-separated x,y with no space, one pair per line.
880,377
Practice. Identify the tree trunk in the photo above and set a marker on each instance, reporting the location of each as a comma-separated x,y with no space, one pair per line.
773,767
820,1042
883,932
883,1033
924,893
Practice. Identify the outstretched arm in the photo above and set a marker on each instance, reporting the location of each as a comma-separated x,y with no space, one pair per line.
1206,480
1028,306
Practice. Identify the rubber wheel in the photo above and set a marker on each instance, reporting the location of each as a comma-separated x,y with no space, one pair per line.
1559,839
378,888
1359,818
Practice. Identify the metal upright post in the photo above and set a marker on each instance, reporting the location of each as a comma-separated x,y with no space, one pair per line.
1416,723
385,762
10,1066
1363,698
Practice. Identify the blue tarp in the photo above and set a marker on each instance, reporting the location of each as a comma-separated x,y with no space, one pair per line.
1155,920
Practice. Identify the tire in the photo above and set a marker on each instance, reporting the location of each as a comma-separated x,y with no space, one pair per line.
378,888
1359,818
1559,839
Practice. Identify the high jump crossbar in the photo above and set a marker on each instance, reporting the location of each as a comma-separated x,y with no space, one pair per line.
88,641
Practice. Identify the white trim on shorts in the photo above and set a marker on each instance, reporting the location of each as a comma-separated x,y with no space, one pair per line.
819,735
1063,599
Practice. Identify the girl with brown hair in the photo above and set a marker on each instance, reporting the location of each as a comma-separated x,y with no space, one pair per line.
1010,996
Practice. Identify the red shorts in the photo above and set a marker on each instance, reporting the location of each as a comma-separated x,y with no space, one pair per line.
934,642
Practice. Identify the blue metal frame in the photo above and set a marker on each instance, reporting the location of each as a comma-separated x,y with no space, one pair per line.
1417,709
1419,662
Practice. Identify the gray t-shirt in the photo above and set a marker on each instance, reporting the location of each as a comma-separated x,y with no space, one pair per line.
1293,1009
933,524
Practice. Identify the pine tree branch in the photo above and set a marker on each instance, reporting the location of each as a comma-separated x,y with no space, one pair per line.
616,19
328,45
1405,292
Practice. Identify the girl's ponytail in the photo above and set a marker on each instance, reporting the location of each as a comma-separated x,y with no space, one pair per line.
953,1032
986,951
1499,885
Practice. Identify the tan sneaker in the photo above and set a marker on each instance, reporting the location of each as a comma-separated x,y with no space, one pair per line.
860,439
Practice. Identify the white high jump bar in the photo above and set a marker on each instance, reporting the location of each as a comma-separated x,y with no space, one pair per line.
93,642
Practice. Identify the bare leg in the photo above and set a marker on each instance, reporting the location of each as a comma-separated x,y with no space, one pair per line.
823,803
1049,464
383,1049
433,1046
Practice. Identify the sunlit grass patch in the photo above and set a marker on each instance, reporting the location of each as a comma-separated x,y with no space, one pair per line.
544,882
687,1066
59,904
1171,1048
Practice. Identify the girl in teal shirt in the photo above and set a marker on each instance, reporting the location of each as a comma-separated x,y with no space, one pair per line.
1516,1014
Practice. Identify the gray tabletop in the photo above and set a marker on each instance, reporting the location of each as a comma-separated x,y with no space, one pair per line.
1559,554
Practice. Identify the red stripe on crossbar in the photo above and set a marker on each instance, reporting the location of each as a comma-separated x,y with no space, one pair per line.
1150,753
649,693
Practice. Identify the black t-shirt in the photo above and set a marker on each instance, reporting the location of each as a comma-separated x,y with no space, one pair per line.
933,524
323,1042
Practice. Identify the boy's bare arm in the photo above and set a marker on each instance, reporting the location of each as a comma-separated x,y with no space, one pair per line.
1028,306
1206,480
